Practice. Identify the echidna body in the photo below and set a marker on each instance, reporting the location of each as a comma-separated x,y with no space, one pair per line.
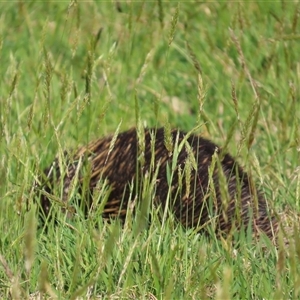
191,176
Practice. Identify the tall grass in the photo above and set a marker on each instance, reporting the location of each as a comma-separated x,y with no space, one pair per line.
71,72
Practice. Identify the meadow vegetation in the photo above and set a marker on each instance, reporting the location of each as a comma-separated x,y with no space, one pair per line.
75,71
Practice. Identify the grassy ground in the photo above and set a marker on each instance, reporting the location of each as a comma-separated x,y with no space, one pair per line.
72,71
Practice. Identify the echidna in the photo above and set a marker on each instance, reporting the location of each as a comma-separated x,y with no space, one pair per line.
191,178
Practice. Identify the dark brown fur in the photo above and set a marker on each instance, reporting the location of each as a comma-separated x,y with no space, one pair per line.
228,200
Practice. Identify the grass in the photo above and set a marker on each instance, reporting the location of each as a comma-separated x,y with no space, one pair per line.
73,71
